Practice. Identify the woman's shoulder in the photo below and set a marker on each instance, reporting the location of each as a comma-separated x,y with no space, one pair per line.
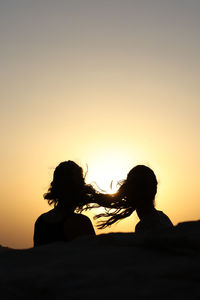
39,219
77,225
50,216
53,216
157,220
79,217
78,220
164,218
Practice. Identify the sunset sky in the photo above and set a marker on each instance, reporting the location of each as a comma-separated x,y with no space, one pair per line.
108,84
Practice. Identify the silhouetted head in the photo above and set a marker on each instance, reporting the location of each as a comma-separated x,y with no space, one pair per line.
141,186
67,185
68,173
137,192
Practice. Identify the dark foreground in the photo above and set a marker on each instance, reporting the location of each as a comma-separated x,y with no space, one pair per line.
164,265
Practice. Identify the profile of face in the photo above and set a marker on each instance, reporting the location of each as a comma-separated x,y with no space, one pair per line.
141,184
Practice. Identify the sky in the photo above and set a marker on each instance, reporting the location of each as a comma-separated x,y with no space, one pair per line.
108,84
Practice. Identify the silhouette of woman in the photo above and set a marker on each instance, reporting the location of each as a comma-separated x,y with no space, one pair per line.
68,192
136,193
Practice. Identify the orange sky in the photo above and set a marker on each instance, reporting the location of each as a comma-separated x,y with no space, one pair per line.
110,84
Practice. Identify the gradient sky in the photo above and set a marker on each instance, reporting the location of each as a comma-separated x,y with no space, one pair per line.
108,83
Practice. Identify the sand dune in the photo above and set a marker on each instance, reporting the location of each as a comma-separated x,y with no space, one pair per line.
164,265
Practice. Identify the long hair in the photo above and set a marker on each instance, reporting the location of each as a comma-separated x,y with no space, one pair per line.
137,191
68,187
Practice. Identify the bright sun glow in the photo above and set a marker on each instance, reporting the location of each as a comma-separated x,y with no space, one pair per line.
106,171
106,182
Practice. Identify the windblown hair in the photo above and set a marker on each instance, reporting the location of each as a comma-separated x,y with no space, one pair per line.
137,191
68,187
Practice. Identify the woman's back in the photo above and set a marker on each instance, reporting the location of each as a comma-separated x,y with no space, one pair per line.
154,221
55,226
68,192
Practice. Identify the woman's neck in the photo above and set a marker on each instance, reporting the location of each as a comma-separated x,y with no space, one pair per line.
143,212
64,209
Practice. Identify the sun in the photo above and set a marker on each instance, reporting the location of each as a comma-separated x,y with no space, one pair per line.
106,181
106,171
107,168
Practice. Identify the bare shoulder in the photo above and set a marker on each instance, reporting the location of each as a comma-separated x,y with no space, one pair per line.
79,218
77,225
51,216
